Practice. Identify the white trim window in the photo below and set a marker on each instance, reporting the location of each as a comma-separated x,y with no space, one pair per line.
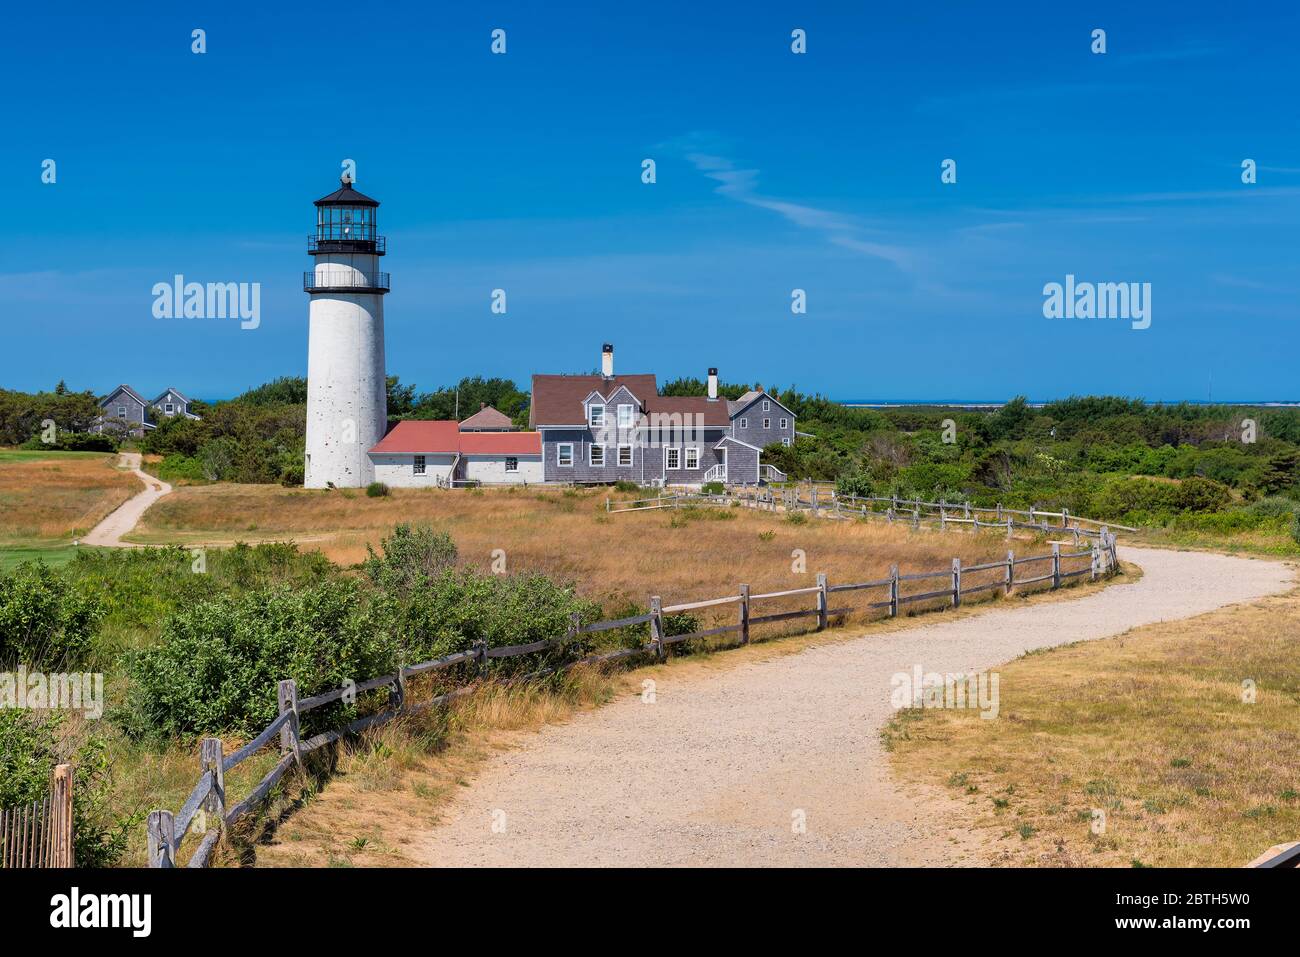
512,463
169,408
692,457
784,424
744,423
767,406
596,416
596,456
625,420
121,412
672,458
624,456
417,465
564,455
767,423
785,440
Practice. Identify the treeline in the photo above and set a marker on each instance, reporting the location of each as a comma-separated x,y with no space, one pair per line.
22,415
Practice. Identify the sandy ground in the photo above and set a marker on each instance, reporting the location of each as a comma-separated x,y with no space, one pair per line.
722,769
121,520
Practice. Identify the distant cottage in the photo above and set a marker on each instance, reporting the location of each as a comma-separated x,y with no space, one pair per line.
126,411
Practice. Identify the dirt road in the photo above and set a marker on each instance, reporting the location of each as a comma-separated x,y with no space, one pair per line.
121,520
720,769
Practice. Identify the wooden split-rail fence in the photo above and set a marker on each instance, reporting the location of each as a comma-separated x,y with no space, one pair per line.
208,809
40,834
825,502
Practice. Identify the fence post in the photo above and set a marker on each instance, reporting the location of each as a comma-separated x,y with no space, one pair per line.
916,518
1096,559
59,824
162,834
1008,528
821,601
943,518
893,591
1065,517
967,507
956,582
607,503
744,614
287,696
210,758
1056,564
999,511
657,627
1011,570
1031,515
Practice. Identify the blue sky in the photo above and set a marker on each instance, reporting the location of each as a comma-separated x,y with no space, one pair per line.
775,171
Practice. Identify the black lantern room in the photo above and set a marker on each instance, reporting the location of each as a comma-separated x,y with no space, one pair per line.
346,222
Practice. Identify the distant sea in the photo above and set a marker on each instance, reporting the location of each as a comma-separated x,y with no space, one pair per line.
1039,403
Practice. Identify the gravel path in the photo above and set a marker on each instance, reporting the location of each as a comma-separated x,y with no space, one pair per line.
121,520
715,770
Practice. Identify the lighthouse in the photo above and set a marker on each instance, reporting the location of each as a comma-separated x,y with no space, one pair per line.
347,396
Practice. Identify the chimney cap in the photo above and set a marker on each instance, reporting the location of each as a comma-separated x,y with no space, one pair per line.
713,370
607,347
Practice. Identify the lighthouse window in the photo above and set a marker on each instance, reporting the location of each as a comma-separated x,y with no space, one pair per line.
419,465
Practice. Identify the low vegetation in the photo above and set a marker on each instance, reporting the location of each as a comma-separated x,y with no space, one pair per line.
1171,745
49,498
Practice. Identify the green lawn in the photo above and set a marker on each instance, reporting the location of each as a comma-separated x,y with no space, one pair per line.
54,555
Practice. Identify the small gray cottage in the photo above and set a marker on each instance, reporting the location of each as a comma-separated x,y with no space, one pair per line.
125,410
609,428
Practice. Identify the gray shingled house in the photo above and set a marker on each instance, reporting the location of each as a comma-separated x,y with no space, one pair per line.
607,428
127,411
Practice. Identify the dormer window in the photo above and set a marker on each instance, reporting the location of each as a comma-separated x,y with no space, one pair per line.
625,416
596,416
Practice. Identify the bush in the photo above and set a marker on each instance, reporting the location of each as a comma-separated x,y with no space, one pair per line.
218,661
74,442
376,490
412,556
45,620
713,488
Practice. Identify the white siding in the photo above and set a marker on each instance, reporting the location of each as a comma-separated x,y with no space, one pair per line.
398,470
492,468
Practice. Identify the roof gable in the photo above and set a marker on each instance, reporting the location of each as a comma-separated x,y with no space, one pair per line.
123,390
487,418
560,399
746,401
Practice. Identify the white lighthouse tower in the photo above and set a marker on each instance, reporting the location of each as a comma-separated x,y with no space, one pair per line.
347,396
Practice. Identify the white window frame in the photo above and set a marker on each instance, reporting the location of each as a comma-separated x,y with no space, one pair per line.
121,412
785,440
591,416
744,423
515,460
784,424
169,408
626,422
676,453
591,456
767,423
767,406
686,457
560,449
418,465
629,462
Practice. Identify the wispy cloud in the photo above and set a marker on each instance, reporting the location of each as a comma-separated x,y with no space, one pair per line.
741,184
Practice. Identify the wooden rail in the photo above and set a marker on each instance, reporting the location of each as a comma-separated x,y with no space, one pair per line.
207,807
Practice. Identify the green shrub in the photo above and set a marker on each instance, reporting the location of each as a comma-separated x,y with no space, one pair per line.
376,490
74,442
796,518
217,662
178,467
46,621
625,486
713,488
411,556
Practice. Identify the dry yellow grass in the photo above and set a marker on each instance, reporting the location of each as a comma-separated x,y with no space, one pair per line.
681,555
1150,727
48,497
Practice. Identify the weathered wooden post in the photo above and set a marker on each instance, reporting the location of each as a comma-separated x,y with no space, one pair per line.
916,518
607,503
822,604
657,627
287,697
210,761
1011,568
889,515
956,582
966,505
480,655
1056,564
1031,515
1009,528
893,591
59,824
1065,517
999,511
162,837
744,614
943,518
1096,560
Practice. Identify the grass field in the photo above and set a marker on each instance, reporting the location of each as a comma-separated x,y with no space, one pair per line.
1152,728
682,555
49,498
